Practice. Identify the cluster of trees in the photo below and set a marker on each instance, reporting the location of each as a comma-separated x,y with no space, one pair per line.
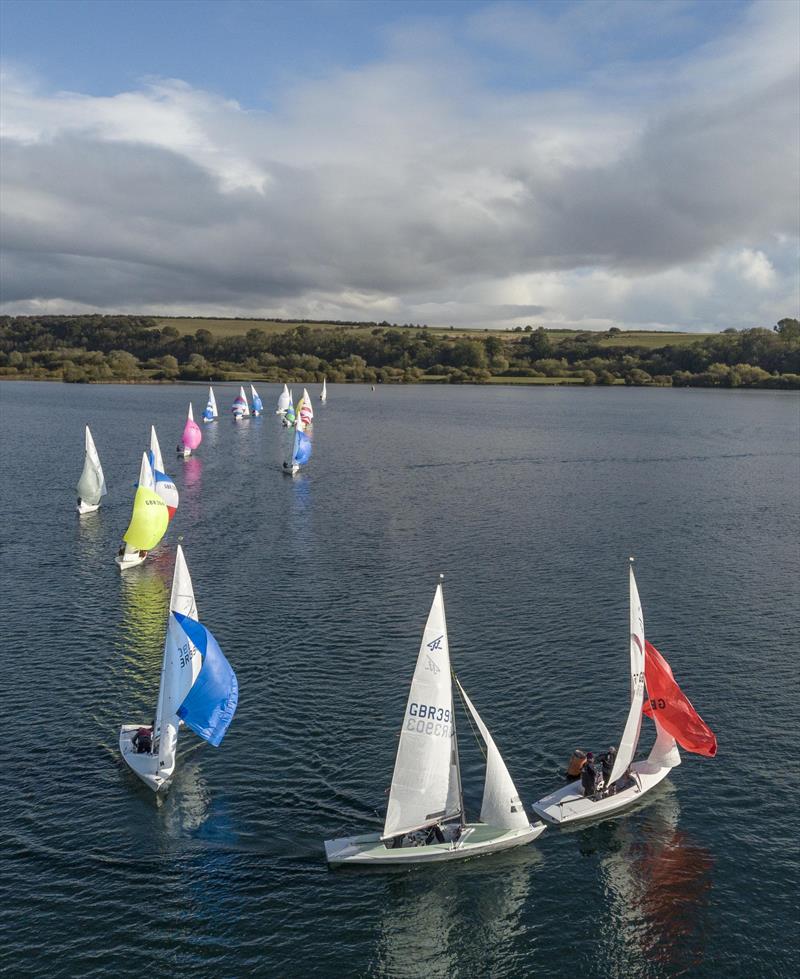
131,348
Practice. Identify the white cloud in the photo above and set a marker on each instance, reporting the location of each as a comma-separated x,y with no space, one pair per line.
412,190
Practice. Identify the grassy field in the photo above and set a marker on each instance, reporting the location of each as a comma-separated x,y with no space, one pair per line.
231,327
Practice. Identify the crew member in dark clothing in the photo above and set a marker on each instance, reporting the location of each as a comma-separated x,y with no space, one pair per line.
435,833
589,776
142,741
607,760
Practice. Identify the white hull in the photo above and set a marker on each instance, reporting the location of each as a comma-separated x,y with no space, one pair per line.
144,766
129,560
207,421
476,840
293,471
87,507
570,805
183,453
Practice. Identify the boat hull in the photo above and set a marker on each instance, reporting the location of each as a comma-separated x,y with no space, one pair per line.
476,839
569,805
291,471
87,507
129,561
144,766
183,453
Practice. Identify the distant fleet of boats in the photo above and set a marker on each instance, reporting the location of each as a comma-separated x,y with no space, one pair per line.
425,817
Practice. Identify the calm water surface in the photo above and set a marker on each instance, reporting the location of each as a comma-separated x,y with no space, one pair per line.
530,501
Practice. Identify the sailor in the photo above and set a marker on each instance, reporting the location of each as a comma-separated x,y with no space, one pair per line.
589,776
435,833
575,766
607,766
143,740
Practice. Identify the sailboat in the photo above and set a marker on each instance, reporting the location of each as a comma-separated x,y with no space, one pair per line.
149,521
305,412
289,416
192,436
164,485
629,780
425,799
298,450
91,486
258,404
211,414
240,409
324,393
284,400
198,688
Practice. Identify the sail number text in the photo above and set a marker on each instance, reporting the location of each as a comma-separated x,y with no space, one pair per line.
186,652
429,719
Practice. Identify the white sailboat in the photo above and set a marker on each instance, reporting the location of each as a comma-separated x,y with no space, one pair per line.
240,407
425,819
210,414
324,393
258,404
284,400
188,647
92,484
631,779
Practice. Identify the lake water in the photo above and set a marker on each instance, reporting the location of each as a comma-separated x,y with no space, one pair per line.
530,501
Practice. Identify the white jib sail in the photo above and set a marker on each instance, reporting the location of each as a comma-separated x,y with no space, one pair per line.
244,398
212,402
633,726
501,804
92,483
179,669
324,396
284,401
421,783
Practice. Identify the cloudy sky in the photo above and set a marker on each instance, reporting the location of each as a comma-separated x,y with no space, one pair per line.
583,164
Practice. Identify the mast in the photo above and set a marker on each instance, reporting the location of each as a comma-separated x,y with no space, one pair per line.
455,757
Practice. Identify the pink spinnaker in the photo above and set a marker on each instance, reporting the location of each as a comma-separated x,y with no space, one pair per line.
192,436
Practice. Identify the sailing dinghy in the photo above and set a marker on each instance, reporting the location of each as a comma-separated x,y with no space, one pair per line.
210,414
258,404
239,408
92,484
305,413
629,779
192,436
425,799
149,521
289,416
164,485
284,400
198,688
298,450
324,393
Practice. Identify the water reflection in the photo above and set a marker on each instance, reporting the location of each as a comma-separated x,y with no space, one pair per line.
457,919
145,597
189,800
656,885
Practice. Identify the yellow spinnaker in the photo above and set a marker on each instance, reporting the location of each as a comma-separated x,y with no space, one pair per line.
148,522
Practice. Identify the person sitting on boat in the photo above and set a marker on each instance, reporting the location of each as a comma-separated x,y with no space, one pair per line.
435,834
589,776
607,766
575,766
143,741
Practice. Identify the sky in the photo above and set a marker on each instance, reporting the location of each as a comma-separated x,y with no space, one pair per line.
566,164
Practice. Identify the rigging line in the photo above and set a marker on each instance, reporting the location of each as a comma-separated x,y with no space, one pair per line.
469,718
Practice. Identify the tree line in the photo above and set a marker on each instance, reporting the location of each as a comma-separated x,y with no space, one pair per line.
135,348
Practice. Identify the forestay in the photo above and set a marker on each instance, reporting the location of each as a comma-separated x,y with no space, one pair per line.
630,737
501,804
92,483
422,791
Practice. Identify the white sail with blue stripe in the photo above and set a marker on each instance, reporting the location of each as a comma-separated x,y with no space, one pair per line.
210,413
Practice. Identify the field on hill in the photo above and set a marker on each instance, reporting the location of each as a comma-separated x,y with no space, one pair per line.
221,328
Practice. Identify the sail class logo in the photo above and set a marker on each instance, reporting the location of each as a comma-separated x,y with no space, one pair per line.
436,644
431,666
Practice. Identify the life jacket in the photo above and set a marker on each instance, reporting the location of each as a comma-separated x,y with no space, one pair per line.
576,763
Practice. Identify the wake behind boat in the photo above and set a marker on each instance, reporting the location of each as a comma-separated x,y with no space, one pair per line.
198,688
629,780
425,819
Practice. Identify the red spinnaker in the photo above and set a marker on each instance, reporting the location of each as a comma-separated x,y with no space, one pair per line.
673,710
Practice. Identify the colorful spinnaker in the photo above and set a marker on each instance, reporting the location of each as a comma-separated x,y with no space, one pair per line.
164,485
149,520
305,413
210,413
258,404
668,705
240,409
92,483
299,451
192,436
289,416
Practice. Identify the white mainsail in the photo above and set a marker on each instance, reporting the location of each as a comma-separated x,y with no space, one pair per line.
242,395
324,396
633,725
157,461
501,804
425,771
284,401
179,669
211,407
92,483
